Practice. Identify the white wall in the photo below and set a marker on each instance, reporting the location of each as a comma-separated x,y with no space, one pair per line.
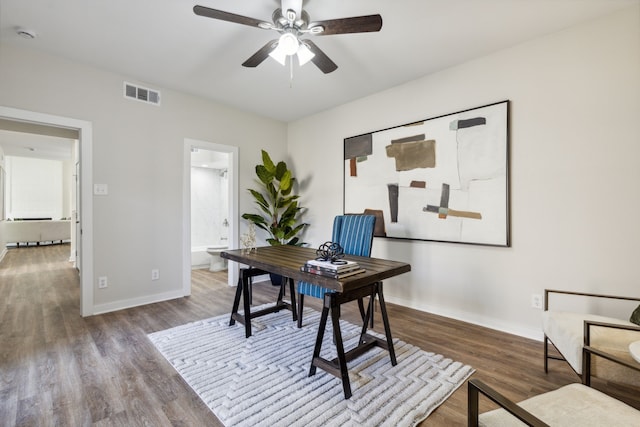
36,188
575,145
137,152
209,206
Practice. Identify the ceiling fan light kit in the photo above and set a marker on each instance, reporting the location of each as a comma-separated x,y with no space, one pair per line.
293,23
304,54
288,43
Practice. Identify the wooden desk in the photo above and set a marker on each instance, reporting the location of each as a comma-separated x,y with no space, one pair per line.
286,261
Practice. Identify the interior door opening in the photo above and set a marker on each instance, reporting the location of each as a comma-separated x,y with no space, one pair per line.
210,208
47,124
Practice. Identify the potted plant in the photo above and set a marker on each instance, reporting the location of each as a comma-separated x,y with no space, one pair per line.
277,204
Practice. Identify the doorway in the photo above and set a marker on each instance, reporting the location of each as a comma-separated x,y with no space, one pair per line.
54,125
217,166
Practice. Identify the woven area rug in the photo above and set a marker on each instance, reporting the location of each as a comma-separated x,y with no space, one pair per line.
262,380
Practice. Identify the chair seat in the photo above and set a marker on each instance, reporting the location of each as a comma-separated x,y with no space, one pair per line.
571,405
316,291
566,332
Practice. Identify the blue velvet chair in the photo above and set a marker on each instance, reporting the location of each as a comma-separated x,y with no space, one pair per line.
355,234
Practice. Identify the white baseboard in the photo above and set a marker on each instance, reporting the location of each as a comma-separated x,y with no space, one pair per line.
135,302
487,322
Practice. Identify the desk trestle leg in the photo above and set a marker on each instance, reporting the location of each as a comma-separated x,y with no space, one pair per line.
244,291
338,366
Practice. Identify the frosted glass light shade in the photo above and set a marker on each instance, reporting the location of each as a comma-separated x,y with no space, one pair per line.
288,43
279,55
304,54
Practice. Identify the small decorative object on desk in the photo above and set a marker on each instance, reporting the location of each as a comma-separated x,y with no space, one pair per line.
248,240
330,263
331,252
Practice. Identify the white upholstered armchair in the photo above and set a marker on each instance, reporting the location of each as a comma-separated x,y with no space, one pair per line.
568,406
606,338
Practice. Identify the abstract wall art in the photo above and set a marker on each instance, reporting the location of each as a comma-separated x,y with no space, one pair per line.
443,179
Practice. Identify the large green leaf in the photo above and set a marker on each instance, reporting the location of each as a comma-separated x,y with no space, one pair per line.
266,211
280,170
274,242
264,174
278,233
287,221
282,202
294,242
268,163
272,191
285,182
259,221
290,189
286,201
291,211
256,219
295,230
259,198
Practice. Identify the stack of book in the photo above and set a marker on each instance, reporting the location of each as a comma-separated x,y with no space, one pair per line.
336,271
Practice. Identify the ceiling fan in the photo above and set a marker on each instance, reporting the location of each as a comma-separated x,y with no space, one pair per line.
293,23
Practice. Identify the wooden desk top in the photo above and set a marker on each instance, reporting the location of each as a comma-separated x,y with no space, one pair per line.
286,260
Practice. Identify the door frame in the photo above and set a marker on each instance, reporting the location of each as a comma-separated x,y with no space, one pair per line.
232,174
85,240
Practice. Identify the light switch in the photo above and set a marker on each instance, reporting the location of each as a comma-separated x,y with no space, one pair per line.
100,189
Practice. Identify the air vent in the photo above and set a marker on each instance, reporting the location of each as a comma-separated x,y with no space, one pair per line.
141,94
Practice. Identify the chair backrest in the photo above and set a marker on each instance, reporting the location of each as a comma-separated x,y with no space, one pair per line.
354,233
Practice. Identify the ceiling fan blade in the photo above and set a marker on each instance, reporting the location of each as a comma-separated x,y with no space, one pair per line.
228,16
321,60
262,54
356,24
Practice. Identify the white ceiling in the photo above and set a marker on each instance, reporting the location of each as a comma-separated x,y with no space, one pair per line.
163,44
21,144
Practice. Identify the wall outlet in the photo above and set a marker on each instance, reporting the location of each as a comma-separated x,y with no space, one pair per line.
155,274
102,282
536,301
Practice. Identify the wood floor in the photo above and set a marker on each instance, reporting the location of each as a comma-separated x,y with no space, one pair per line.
57,368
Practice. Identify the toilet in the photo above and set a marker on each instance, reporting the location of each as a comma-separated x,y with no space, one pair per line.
217,262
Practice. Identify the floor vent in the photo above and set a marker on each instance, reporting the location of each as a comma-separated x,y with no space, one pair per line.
141,94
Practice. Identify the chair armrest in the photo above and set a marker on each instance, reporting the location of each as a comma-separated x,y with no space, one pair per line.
547,292
611,357
476,387
587,350
589,323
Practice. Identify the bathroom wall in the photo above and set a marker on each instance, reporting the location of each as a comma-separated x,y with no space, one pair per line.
209,207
